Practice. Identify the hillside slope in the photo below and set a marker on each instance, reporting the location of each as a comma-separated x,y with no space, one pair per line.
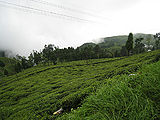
124,97
116,42
37,92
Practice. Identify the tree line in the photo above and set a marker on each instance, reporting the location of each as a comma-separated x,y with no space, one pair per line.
135,47
51,54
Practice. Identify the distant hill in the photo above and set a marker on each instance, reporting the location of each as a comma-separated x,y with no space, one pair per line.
113,41
6,53
116,42
9,65
87,44
148,38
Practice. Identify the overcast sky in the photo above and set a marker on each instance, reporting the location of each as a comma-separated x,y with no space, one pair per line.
23,30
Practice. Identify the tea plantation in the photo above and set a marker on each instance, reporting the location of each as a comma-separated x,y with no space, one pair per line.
134,97
37,92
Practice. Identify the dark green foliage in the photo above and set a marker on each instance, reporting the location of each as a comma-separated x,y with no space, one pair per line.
157,40
5,72
52,54
117,54
2,64
37,57
157,58
97,51
157,43
111,44
129,43
124,51
139,46
18,67
24,63
31,60
9,66
48,53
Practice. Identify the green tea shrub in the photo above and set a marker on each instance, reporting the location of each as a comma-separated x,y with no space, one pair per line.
5,72
123,98
2,64
157,58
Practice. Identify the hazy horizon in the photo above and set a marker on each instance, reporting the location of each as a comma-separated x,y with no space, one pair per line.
75,22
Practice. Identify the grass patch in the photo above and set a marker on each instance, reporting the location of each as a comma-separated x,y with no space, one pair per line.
124,98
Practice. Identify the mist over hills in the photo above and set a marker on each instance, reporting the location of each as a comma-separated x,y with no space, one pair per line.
112,43
116,42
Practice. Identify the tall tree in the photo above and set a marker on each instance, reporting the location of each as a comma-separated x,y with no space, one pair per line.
37,57
157,40
24,63
129,43
30,60
48,52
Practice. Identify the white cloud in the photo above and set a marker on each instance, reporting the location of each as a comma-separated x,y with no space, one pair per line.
24,31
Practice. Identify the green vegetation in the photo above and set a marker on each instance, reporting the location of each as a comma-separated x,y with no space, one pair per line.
37,92
53,55
7,65
119,41
111,47
124,98
139,46
116,44
129,43
157,41
55,82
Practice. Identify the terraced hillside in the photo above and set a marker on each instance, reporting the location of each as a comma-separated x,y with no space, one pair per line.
39,91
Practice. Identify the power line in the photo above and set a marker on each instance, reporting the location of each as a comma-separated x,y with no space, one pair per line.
44,12
66,8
